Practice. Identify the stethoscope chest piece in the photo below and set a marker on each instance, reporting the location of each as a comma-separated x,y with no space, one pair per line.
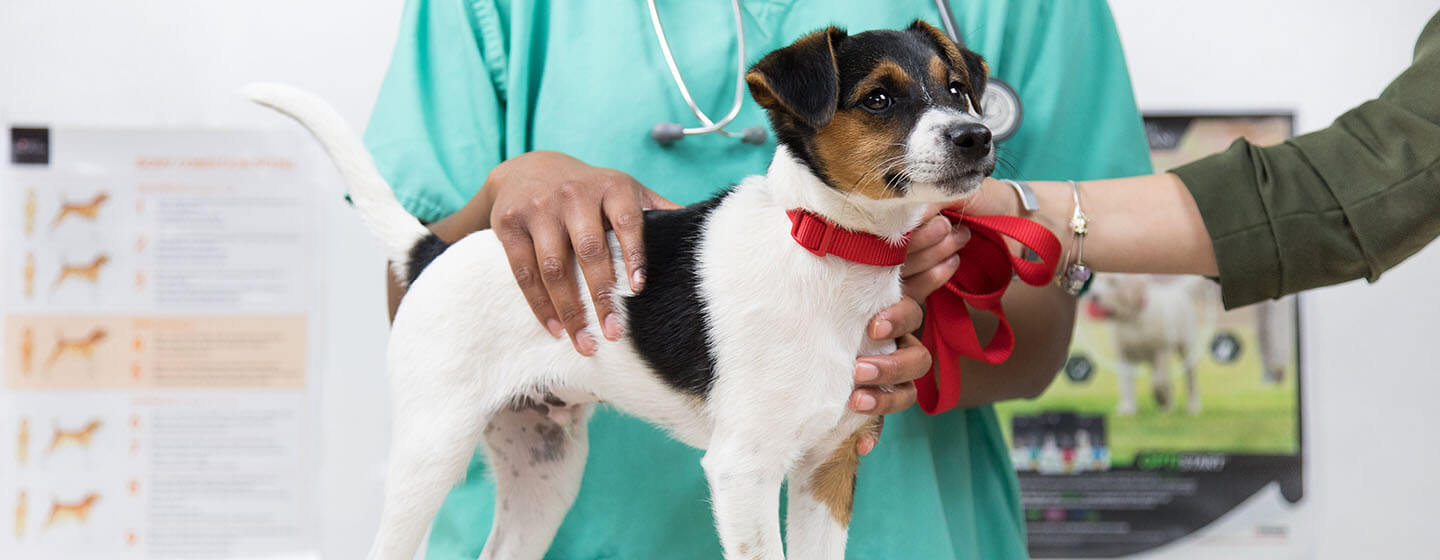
1001,110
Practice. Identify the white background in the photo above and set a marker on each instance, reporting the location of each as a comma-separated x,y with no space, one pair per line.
1370,373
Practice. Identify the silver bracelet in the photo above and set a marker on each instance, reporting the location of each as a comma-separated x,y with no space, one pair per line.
1028,202
1074,277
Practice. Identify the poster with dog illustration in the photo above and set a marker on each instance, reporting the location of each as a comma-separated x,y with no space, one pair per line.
1174,429
156,326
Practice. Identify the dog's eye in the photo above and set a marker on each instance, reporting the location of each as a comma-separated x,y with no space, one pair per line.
877,100
957,90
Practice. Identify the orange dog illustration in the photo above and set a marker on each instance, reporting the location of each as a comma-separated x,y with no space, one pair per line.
88,210
23,452
20,514
78,512
83,347
29,275
90,272
79,438
27,351
30,212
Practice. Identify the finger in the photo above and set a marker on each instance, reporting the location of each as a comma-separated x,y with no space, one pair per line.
650,199
553,251
875,401
870,438
919,286
903,317
929,233
627,220
592,250
520,251
948,244
910,361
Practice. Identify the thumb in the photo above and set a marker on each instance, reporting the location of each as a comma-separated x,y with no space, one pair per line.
649,199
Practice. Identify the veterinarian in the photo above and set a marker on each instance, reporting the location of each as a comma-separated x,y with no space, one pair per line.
535,117
1349,201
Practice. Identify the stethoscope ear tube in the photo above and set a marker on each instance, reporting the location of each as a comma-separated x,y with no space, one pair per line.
1000,106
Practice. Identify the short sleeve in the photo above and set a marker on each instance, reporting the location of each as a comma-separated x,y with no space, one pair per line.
438,124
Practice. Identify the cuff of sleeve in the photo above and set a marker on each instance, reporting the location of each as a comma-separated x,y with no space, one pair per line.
1226,191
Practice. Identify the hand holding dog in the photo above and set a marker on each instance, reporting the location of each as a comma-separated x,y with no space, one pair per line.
932,261
548,207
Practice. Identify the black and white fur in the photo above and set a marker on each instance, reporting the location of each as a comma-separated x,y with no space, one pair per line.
742,343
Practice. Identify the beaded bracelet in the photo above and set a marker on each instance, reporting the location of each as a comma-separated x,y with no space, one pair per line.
1075,277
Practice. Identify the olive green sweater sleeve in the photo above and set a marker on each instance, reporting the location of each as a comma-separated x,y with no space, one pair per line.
1349,201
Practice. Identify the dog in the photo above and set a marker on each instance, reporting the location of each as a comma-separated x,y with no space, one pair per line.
741,343
21,513
79,438
83,347
78,512
1152,320
89,272
89,210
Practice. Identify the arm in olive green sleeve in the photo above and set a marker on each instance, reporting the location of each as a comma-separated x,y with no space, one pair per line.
1349,201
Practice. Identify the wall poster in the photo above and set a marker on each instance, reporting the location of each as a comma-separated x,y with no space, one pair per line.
157,395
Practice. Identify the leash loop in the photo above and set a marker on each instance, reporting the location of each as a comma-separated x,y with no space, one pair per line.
986,269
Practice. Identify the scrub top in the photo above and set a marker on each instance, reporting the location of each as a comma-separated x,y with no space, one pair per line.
474,82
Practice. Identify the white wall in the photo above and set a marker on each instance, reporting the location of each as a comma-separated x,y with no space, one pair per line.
177,63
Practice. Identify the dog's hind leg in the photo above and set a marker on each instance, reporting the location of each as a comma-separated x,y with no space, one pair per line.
821,497
1161,385
432,440
537,458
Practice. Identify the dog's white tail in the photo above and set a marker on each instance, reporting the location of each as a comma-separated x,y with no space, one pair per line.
387,220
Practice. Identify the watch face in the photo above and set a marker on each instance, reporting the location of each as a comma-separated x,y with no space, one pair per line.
1001,109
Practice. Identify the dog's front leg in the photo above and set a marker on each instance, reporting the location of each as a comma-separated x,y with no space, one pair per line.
1126,373
821,493
745,474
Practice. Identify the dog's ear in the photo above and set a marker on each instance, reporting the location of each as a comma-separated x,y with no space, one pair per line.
802,79
958,57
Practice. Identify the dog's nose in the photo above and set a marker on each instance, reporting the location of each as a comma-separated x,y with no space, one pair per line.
973,139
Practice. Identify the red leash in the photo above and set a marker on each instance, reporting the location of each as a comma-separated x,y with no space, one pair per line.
986,267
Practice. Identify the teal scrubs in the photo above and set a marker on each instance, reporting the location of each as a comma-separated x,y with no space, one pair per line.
475,82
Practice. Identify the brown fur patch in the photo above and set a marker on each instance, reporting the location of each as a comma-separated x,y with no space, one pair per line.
947,47
855,154
939,71
886,74
833,483
856,149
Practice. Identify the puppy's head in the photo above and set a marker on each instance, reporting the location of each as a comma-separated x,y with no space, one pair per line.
1117,296
881,114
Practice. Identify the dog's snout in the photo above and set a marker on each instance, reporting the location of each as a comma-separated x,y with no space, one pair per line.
972,139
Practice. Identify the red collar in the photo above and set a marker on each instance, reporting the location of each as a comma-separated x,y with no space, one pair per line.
986,269
822,237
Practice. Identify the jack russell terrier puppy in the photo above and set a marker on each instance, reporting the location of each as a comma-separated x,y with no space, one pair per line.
742,342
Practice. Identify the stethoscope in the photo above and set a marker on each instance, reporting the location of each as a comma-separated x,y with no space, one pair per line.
1002,111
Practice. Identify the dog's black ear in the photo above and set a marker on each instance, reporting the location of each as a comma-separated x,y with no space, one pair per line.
958,57
802,79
